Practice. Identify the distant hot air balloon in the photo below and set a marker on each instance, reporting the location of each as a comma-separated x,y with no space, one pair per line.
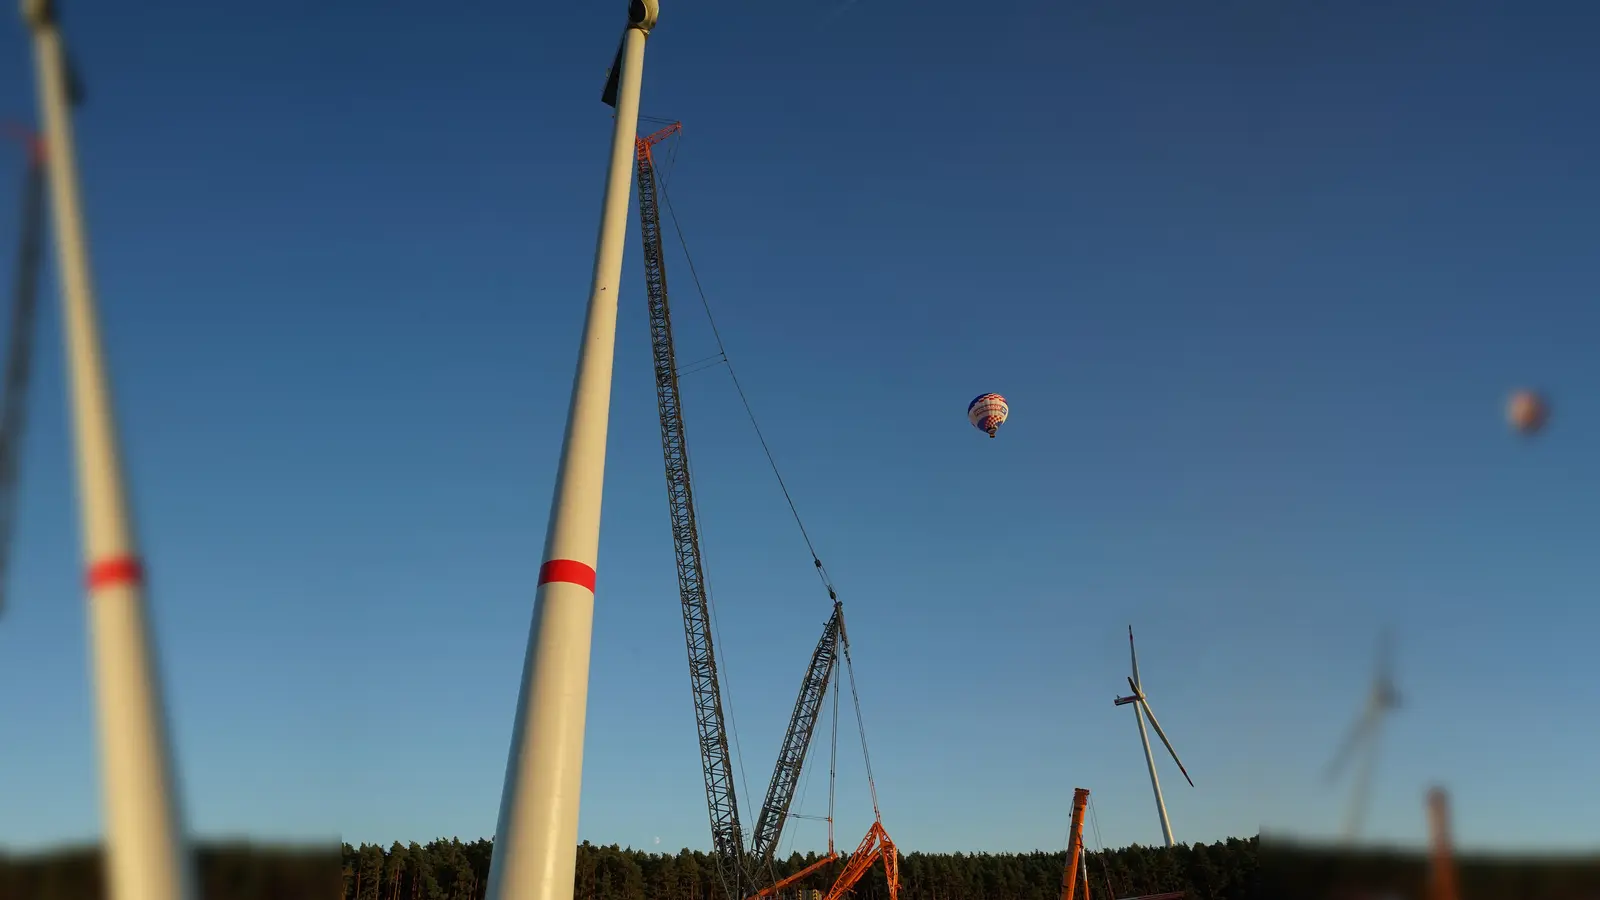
1527,412
988,412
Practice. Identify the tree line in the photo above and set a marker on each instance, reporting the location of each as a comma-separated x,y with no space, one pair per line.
456,870
1235,869
225,871
1299,871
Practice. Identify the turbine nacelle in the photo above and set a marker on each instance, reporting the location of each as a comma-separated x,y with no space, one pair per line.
1385,696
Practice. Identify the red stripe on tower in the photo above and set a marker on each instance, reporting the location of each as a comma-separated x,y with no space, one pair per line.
567,571
117,571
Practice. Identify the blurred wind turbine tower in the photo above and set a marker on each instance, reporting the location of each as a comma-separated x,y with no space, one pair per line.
1141,711
147,854
1363,738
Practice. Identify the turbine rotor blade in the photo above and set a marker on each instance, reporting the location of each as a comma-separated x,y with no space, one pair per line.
1163,735
1134,654
608,94
1384,679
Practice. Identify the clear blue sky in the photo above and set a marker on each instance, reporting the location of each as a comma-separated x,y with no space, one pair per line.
1255,276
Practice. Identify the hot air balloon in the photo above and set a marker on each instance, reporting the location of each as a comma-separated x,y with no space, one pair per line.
1527,412
988,412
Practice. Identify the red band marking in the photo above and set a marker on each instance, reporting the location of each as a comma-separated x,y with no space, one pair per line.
115,572
567,571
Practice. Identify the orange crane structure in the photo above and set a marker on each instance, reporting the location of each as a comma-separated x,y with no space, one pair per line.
1076,868
1075,873
740,868
1442,863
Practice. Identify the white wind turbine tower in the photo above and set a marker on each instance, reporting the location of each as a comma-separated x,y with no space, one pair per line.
1141,703
1363,738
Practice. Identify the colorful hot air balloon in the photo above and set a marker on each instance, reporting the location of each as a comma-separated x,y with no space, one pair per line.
988,412
1527,412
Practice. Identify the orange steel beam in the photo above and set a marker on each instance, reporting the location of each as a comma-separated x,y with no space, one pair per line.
1069,876
643,145
773,889
876,845
1442,872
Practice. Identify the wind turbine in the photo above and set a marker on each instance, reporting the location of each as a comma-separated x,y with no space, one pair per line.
1142,703
147,851
1363,737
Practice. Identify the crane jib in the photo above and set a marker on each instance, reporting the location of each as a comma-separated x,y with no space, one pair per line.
722,802
739,869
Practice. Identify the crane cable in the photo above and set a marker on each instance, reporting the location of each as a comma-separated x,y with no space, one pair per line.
722,356
861,725
816,560
1105,865
19,357
833,755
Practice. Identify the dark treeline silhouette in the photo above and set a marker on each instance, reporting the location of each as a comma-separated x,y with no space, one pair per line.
1297,871
453,870
233,871
1234,869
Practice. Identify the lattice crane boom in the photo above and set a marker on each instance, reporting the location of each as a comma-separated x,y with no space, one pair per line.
796,741
716,762
737,868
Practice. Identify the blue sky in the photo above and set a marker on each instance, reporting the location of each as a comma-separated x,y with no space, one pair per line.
1255,276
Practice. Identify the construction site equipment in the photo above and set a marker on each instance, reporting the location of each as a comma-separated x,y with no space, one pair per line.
1442,863
1075,870
740,867
20,340
796,740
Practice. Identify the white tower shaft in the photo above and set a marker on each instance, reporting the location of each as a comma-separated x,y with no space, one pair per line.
1361,790
147,856
536,836
1155,780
